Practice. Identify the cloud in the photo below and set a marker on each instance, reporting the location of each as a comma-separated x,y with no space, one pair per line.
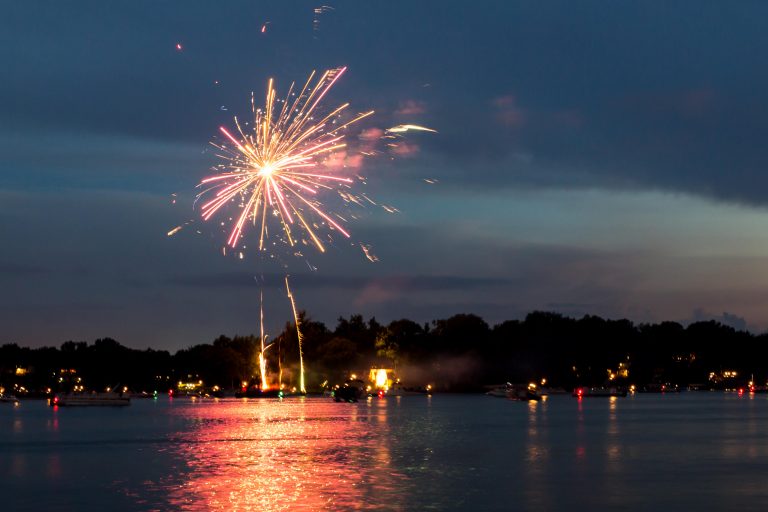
690,103
371,134
393,283
383,290
696,102
568,118
376,293
96,160
343,159
411,108
508,112
731,320
404,148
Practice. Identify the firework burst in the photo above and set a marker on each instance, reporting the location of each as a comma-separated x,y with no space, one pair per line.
274,167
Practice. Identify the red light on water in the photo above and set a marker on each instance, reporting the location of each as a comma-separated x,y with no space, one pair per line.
55,400
381,393
741,391
170,392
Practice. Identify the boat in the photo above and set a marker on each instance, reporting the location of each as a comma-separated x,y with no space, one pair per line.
91,399
660,388
351,391
599,391
500,391
399,390
515,392
256,392
552,391
527,393
8,399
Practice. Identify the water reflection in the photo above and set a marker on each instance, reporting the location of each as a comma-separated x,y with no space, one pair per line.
581,448
18,466
537,458
613,440
289,455
53,466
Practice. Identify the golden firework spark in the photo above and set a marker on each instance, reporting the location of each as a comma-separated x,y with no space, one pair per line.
174,230
402,128
262,352
275,167
302,388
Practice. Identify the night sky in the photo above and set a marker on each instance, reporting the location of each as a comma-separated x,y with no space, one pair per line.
602,158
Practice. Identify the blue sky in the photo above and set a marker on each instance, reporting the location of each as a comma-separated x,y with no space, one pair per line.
592,157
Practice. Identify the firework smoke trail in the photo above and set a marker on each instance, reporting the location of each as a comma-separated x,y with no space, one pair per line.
276,166
298,335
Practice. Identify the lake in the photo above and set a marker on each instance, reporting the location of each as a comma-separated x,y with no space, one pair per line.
699,451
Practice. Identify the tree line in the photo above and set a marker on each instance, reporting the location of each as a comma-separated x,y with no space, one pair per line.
460,353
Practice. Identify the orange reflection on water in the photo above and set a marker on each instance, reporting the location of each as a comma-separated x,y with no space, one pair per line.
297,454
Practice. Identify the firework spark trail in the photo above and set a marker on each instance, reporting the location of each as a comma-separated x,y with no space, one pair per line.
402,128
180,227
302,388
318,11
277,166
368,253
279,364
262,358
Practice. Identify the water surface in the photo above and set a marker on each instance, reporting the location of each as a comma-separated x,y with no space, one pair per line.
688,451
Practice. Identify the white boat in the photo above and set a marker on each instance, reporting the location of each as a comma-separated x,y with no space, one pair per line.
91,399
399,390
8,399
500,391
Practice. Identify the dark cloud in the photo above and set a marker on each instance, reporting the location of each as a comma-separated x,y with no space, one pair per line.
313,281
531,95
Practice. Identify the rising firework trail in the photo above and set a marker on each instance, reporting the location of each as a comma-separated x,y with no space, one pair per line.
298,335
275,166
262,357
